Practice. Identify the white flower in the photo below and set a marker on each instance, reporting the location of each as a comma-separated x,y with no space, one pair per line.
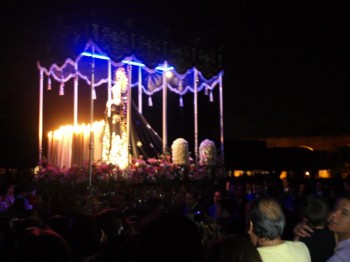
180,153
207,153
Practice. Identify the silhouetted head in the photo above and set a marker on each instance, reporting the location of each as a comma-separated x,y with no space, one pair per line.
267,217
41,245
112,224
232,248
170,237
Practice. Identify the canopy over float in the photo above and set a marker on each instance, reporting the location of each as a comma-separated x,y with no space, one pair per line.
97,69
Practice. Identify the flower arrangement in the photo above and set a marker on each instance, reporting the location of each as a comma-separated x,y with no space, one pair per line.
105,176
207,153
180,153
159,176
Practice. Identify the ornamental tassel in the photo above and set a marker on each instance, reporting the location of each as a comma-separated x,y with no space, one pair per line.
93,94
49,83
61,92
206,91
211,99
149,84
180,86
181,102
150,102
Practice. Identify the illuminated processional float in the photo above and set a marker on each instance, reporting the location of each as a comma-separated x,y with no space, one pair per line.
123,133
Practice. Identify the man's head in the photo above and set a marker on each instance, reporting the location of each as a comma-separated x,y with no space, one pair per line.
339,218
191,198
266,219
110,222
316,211
217,197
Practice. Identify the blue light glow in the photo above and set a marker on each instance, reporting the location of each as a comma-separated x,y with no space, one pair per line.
161,68
95,55
133,63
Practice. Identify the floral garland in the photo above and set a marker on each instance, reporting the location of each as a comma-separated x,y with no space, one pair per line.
143,178
140,171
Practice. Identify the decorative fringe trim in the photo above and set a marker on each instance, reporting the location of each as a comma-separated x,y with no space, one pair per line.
180,86
94,94
61,92
49,83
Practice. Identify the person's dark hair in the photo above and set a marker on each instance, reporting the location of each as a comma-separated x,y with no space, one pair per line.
41,245
112,222
316,211
345,196
168,236
231,248
267,217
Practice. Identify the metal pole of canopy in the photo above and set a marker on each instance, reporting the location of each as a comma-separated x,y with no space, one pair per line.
109,87
164,116
140,90
129,108
195,117
221,119
75,116
41,117
91,145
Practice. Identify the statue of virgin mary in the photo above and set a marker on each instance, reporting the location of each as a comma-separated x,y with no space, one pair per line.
115,144
143,142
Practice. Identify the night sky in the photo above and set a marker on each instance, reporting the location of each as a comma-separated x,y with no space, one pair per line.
285,64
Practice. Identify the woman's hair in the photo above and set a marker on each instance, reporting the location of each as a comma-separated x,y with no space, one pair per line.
231,248
267,217
41,245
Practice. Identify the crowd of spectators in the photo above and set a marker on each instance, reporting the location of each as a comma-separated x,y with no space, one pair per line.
194,224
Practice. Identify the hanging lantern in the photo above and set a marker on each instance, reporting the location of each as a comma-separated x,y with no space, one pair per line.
93,95
181,102
61,92
49,83
180,86
211,98
149,84
150,102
